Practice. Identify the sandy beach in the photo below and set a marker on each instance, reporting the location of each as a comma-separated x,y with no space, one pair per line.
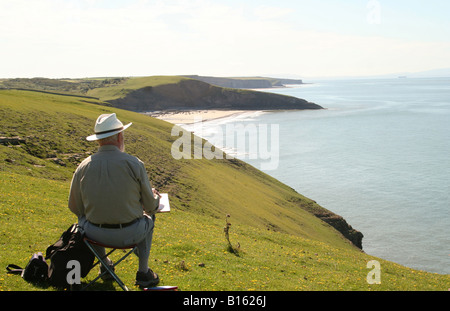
192,116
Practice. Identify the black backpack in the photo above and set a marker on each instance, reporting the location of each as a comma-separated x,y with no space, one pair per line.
36,271
70,246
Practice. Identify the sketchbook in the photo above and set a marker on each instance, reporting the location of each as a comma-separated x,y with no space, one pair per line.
164,205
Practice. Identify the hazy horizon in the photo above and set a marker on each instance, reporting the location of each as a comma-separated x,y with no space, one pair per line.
434,73
305,39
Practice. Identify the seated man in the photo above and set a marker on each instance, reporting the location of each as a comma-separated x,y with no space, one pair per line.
113,198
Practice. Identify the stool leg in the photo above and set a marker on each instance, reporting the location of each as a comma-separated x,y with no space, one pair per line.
108,267
114,275
119,281
99,260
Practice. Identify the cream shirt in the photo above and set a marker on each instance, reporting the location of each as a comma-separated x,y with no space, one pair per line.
111,187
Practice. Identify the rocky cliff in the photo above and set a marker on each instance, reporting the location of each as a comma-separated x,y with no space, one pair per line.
341,225
190,94
334,220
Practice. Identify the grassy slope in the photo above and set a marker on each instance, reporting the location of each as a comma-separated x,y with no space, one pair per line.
131,84
282,247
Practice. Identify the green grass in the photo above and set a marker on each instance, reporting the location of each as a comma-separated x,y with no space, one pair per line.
36,215
280,245
120,90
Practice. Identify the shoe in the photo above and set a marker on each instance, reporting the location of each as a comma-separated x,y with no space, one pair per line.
148,279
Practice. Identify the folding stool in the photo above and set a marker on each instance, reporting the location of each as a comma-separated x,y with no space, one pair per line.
108,269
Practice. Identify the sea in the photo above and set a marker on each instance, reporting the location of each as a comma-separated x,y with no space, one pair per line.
378,155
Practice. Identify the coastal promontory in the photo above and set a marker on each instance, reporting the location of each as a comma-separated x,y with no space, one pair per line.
169,93
191,94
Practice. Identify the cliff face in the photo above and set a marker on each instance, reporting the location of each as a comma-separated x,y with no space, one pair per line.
341,225
334,220
193,94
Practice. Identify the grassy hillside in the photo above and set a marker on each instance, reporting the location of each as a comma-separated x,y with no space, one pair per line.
161,93
113,91
278,243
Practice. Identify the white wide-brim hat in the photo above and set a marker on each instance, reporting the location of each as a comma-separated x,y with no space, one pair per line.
107,125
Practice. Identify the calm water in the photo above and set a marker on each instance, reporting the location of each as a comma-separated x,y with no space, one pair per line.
379,156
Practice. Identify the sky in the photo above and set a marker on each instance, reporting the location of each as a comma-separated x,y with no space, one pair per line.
298,38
